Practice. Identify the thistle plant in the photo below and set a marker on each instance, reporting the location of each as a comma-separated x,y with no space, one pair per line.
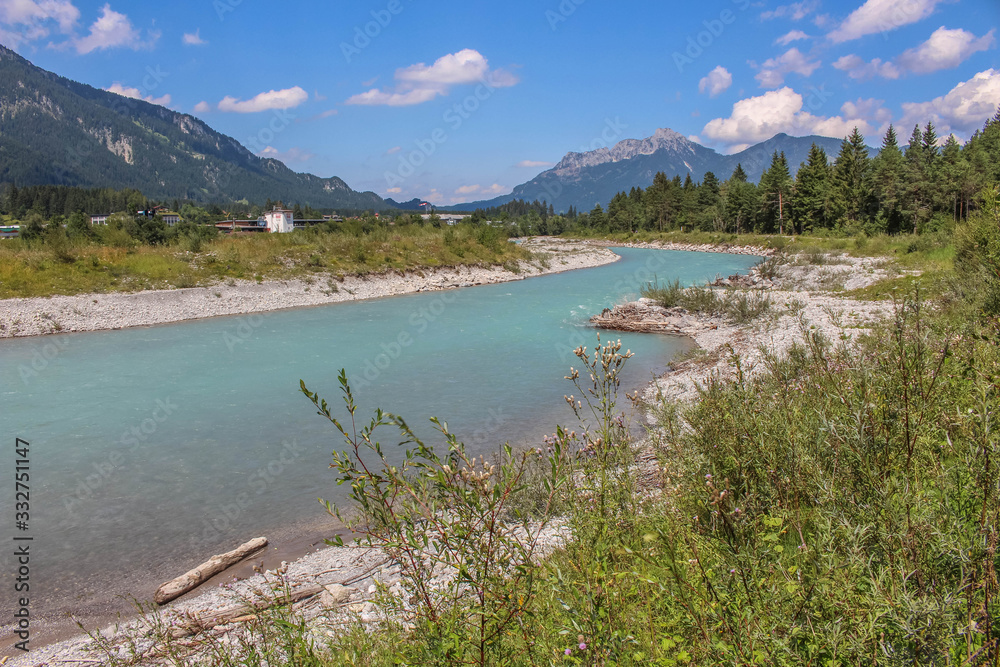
449,522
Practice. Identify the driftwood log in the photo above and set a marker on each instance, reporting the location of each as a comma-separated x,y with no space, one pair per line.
194,578
638,318
194,624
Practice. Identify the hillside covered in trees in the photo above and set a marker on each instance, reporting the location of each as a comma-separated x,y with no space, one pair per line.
54,131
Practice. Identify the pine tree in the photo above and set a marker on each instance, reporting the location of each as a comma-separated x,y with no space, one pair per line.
917,179
852,185
741,203
889,173
739,174
811,195
775,190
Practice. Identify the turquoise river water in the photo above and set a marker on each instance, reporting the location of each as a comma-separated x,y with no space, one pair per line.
154,448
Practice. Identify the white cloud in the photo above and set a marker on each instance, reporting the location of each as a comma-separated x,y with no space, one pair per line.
716,82
272,99
462,194
857,68
194,38
944,49
791,36
773,71
202,107
882,16
113,30
136,94
421,83
757,119
965,108
534,164
870,109
375,97
795,11
294,154
394,191
29,20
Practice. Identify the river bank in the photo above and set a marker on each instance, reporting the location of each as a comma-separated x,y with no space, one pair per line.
108,311
97,312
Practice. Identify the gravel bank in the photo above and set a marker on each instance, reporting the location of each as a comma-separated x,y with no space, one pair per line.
804,302
94,312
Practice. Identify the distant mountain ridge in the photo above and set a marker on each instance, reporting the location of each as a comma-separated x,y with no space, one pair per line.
412,205
54,131
585,179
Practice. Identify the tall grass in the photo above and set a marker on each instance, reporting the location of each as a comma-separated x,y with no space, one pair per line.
734,306
81,266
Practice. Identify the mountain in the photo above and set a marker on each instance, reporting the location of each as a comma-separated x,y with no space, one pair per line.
54,131
586,179
412,205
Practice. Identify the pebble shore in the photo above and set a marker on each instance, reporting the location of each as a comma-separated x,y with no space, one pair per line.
95,312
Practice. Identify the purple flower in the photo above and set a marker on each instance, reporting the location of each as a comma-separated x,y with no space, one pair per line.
583,646
568,651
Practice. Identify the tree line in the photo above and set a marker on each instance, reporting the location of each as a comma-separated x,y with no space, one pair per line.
916,188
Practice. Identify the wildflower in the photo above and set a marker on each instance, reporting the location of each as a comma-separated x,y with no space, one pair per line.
568,651
583,646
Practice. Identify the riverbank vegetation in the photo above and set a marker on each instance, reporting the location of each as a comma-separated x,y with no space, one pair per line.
113,257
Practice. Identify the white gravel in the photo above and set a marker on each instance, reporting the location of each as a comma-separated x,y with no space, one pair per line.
804,306
93,312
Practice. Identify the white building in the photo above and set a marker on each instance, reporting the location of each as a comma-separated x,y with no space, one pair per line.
280,220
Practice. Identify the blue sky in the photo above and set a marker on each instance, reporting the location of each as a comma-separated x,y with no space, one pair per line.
457,101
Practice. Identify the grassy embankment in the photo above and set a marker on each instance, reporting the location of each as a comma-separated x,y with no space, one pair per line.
842,508
76,267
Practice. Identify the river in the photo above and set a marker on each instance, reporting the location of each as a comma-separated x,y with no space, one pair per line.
154,448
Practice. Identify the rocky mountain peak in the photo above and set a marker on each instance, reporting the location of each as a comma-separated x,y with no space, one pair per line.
663,138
